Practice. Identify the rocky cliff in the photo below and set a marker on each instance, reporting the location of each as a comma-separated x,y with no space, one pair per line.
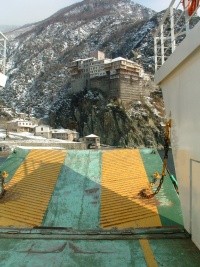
134,124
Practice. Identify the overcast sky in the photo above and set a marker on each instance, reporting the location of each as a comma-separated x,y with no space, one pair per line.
20,12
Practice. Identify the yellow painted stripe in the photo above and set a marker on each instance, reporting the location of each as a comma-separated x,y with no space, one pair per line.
29,192
123,176
148,253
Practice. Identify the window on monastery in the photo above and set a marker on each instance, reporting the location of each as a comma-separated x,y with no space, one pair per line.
41,128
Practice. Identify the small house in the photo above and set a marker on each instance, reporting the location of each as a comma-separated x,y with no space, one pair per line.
65,134
20,125
92,141
44,131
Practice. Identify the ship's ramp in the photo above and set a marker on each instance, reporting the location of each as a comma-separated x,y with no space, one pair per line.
85,189
81,208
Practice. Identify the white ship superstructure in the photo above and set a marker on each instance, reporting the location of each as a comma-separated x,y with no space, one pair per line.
177,64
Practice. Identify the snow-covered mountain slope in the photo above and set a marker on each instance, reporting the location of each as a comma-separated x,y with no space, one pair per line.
38,58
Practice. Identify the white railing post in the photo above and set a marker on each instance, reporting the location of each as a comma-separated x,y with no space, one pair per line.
4,58
187,24
173,41
3,41
162,45
155,53
178,31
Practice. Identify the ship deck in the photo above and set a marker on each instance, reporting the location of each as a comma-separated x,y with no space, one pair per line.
86,204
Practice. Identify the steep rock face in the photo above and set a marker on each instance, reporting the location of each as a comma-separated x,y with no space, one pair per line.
134,124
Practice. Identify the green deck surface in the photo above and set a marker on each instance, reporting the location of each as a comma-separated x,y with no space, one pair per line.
75,204
175,252
76,198
62,253
92,253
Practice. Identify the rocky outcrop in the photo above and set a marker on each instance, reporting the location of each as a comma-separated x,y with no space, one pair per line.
135,124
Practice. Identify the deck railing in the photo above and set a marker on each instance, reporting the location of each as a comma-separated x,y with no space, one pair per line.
175,25
3,41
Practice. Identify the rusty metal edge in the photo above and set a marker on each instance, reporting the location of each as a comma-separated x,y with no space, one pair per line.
97,234
94,237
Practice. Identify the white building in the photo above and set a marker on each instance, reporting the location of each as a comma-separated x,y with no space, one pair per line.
119,77
48,132
80,74
92,140
97,68
20,125
65,134
122,65
43,130
82,70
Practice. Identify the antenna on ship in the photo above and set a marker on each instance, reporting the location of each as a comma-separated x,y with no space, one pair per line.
3,43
